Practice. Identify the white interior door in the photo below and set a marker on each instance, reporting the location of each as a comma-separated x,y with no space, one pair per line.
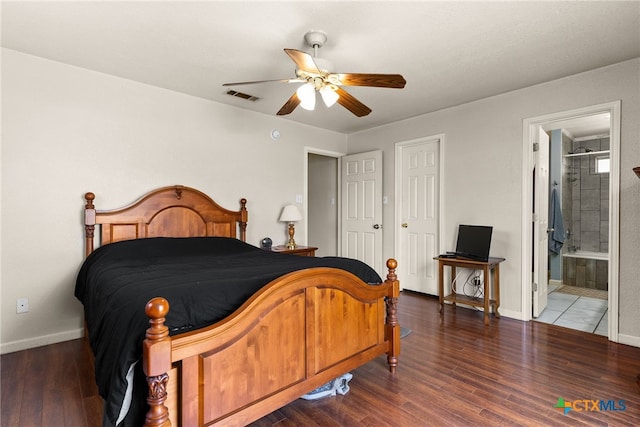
540,222
418,199
362,208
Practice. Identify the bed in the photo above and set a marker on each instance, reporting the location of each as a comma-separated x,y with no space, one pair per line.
307,323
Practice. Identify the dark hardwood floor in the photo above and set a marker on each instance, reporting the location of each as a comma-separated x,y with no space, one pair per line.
453,371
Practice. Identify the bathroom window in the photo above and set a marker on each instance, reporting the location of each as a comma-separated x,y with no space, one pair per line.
602,164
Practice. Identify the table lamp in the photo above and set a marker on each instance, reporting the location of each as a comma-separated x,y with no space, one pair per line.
291,214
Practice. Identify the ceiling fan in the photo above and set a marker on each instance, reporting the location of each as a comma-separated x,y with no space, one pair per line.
314,73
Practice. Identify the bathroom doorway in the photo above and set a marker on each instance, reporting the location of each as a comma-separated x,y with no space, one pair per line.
582,225
578,252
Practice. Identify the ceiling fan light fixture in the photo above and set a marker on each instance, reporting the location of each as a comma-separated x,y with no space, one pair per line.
329,95
317,76
307,95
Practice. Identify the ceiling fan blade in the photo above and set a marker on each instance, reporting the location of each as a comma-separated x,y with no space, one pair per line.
373,80
349,102
303,60
265,81
290,105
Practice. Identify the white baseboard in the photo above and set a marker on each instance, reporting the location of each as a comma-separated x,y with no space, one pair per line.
25,344
555,282
629,340
511,314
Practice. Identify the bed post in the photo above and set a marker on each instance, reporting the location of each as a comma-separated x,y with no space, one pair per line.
392,326
89,223
156,359
244,216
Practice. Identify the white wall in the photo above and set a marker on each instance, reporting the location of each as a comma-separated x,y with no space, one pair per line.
66,131
483,171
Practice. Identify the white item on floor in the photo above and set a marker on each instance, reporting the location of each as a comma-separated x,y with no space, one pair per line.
339,385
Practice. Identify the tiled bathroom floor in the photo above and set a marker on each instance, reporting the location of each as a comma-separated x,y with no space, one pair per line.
576,312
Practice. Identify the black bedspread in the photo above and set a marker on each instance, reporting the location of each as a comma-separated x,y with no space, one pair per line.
204,279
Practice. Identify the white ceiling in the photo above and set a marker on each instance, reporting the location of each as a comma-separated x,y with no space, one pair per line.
449,52
595,125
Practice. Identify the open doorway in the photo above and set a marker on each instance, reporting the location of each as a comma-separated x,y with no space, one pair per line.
322,201
583,187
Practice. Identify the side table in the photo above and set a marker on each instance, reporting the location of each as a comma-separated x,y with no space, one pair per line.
488,267
299,250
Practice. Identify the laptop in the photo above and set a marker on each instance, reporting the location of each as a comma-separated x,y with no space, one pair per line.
473,242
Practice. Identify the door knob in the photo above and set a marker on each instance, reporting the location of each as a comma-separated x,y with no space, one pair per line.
377,226
404,225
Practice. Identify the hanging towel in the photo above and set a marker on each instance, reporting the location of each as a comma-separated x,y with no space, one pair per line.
557,235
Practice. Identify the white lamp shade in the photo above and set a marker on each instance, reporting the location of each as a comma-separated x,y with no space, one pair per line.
329,96
307,95
290,213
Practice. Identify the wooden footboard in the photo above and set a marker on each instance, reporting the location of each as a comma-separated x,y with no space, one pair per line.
299,332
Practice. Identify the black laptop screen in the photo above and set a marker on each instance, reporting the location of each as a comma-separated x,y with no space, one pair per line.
474,242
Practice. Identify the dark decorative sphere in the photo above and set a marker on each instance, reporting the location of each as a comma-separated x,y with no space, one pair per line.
266,243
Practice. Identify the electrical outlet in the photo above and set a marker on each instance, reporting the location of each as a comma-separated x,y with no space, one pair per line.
22,305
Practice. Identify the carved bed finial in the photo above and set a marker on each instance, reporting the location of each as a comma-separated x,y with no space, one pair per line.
244,217
392,264
179,191
89,197
89,222
156,311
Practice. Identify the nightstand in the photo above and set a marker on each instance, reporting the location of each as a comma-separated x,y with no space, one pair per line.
299,250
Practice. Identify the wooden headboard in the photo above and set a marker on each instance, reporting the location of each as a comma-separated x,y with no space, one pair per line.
175,211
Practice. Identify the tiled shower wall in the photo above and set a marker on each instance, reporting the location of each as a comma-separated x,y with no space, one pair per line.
589,193
586,213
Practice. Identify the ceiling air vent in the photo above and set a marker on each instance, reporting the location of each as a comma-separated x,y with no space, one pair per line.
242,95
